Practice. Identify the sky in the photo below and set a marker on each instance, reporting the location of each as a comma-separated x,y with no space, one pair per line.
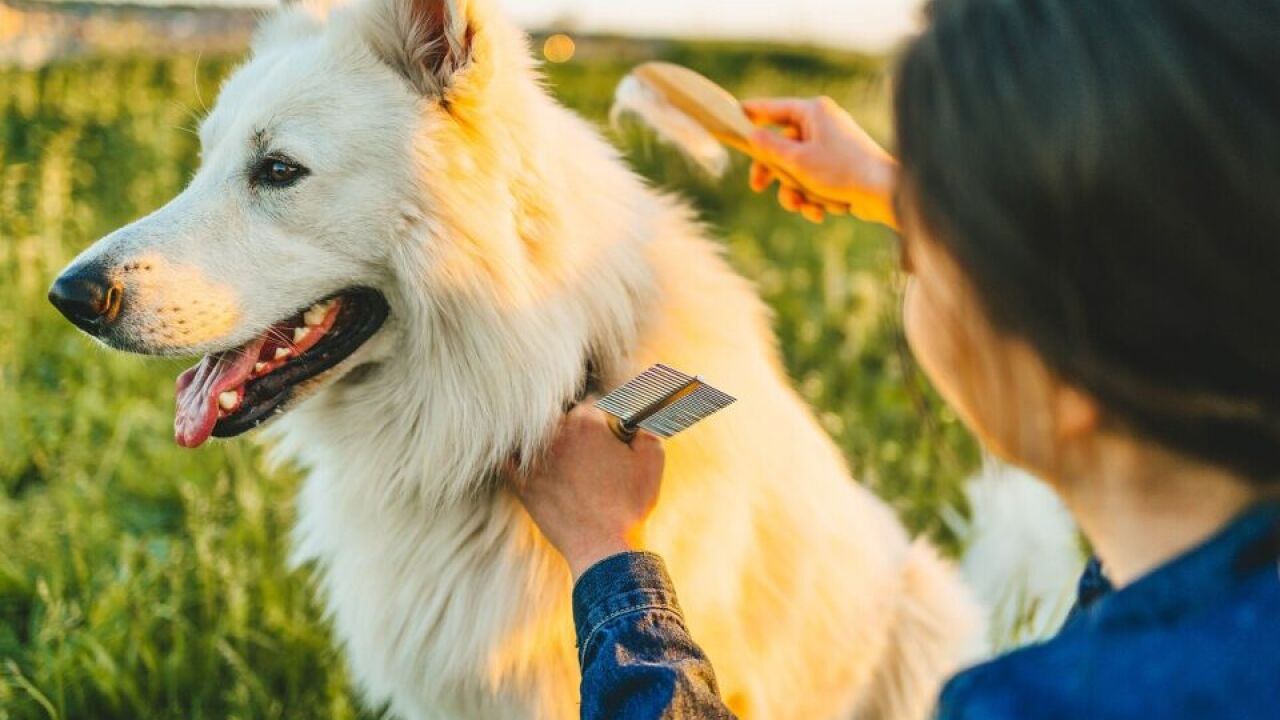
859,24
871,25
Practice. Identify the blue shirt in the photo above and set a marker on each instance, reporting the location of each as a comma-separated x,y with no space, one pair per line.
1196,639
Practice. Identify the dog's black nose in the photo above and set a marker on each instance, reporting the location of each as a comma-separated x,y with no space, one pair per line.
87,298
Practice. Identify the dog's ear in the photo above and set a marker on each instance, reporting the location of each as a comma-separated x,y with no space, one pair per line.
427,41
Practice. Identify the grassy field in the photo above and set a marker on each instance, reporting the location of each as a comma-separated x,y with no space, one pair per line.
138,580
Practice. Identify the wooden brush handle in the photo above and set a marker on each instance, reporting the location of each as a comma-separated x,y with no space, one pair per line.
744,146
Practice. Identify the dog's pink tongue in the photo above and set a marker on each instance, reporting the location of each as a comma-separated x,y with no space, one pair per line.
199,387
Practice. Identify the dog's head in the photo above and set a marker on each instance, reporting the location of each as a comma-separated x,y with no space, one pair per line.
278,261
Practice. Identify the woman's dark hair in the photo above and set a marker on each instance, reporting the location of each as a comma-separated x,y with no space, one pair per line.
1107,175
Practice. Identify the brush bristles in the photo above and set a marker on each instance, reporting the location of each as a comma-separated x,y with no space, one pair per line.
651,386
640,99
664,401
687,411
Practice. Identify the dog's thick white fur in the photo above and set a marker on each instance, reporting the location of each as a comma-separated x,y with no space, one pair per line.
515,248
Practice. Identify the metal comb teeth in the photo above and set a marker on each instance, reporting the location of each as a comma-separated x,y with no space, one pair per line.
662,401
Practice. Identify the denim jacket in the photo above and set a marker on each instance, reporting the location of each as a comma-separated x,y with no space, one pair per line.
1197,638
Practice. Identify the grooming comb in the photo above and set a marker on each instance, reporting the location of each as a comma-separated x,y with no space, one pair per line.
662,401
654,90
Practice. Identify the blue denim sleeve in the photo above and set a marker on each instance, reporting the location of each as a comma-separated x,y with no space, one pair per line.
638,660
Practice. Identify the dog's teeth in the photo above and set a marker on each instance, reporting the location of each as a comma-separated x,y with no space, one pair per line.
259,367
282,353
228,400
300,334
315,315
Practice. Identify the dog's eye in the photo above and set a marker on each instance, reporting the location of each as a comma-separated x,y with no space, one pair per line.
278,172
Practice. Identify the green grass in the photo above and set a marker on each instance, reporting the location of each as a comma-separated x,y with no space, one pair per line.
139,580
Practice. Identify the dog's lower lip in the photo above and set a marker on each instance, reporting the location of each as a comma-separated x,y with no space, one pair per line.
362,314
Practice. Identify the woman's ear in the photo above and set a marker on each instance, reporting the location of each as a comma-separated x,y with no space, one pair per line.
1076,413
426,41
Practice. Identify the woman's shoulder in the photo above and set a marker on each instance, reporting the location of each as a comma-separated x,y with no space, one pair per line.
1033,681
1132,656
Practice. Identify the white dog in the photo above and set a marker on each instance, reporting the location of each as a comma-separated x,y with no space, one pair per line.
400,248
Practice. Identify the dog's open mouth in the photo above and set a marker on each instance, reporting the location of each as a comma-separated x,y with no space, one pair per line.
234,391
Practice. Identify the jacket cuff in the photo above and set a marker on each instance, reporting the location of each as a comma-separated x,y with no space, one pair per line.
618,585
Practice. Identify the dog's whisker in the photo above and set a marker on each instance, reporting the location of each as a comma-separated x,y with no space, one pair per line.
274,333
195,80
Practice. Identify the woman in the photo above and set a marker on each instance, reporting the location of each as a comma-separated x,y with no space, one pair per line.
1089,200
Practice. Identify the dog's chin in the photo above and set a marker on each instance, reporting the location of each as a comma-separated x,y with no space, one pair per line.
238,389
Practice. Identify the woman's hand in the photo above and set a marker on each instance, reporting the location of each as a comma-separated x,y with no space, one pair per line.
822,148
593,493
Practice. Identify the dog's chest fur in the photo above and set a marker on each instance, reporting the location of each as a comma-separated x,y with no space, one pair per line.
449,614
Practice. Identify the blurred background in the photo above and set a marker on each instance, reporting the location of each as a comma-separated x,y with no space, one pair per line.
138,580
